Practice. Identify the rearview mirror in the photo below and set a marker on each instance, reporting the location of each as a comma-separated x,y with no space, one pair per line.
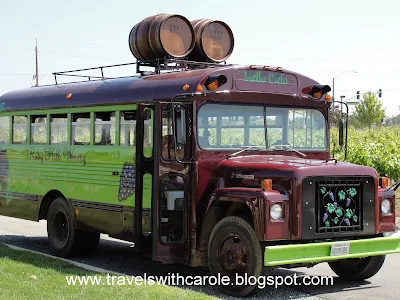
341,133
180,124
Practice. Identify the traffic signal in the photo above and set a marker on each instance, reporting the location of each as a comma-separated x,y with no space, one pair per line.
380,93
358,95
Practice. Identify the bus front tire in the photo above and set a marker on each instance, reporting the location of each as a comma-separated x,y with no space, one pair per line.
233,249
64,239
357,269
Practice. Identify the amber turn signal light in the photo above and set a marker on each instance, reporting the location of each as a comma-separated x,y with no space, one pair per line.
266,184
384,182
213,86
213,82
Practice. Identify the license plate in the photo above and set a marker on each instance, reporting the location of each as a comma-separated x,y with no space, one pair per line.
340,248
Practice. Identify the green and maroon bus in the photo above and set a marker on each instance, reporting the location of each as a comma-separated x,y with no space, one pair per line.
217,165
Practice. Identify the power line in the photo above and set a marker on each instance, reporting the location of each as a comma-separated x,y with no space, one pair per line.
15,50
309,59
77,55
62,41
88,44
24,74
16,38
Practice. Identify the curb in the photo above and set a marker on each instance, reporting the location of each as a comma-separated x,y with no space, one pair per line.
77,264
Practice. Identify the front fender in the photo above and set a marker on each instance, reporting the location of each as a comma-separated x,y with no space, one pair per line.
259,202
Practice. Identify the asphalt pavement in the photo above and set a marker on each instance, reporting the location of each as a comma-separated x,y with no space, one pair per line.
118,256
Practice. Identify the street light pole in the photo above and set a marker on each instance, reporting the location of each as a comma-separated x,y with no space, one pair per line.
333,82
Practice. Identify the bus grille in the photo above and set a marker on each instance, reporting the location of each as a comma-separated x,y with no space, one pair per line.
339,205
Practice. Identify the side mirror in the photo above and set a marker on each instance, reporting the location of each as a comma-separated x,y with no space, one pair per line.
180,124
341,132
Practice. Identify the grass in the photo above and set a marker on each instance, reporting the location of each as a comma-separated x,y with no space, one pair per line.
26,275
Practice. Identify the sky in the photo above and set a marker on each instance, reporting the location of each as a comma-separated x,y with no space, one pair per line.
356,42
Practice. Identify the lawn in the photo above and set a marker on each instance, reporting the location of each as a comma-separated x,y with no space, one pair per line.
26,275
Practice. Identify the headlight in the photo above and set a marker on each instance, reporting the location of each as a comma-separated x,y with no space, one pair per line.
276,211
386,207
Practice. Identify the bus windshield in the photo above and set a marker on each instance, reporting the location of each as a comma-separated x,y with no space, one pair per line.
223,126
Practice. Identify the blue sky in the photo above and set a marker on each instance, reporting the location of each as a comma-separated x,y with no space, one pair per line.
321,39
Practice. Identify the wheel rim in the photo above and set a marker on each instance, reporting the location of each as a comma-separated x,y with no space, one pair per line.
60,226
233,255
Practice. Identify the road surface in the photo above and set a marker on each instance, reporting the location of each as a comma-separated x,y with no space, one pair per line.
118,256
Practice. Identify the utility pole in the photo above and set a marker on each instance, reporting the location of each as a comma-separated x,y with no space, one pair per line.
37,65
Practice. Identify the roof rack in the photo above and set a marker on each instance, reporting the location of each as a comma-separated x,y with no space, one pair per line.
157,66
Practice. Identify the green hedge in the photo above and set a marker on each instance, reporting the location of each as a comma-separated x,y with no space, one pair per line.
378,148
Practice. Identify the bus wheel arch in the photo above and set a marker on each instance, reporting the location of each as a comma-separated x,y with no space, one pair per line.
233,250
45,203
218,210
64,238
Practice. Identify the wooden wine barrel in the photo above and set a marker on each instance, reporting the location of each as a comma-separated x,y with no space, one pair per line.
162,35
214,41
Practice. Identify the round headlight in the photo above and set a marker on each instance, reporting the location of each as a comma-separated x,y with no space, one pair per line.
276,211
385,206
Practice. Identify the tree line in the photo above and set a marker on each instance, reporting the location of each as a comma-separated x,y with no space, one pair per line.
368,113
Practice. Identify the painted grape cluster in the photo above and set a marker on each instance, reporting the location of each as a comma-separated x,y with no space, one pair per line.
127,182
340,206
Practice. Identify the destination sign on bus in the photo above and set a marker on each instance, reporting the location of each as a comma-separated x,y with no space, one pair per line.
266,81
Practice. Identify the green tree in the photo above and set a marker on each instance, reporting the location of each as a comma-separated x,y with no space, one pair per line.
369,110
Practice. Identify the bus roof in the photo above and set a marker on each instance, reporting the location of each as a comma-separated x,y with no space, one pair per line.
125,90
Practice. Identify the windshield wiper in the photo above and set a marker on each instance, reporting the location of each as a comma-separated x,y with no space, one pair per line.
286,147
245,148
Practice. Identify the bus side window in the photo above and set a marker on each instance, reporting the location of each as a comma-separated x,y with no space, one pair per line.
39,129
148,132
167,141
104,127
59,129
4,130
20,129
81,129
128,128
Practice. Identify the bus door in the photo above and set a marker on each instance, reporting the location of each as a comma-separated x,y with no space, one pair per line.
173,185
145,166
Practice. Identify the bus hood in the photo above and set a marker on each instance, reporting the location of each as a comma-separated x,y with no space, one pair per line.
276,165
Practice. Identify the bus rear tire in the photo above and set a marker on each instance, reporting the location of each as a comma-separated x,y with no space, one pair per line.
357,269
64,239
233,249
90,242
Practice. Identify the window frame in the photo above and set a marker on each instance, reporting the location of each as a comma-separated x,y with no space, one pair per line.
315,150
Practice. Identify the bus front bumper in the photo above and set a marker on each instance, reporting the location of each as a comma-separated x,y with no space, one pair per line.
328,251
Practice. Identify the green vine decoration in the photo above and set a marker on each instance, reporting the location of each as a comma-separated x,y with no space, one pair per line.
340,205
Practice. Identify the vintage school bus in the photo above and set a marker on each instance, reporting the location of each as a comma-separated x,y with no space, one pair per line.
204,164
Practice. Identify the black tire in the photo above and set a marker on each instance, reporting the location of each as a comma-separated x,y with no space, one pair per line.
357,269
90,242
228,236
64,239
